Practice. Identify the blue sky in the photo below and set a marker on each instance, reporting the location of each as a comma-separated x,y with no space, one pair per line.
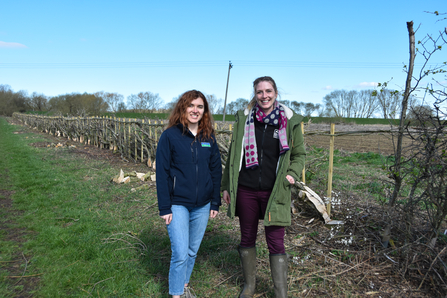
167,47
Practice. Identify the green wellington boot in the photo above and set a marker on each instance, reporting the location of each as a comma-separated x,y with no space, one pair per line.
248,262
278,266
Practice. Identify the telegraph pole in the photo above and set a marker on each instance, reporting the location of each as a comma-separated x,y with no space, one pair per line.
226,92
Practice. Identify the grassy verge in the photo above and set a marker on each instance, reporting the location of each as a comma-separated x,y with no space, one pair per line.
83,235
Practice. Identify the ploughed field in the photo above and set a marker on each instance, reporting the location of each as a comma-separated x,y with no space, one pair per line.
380,141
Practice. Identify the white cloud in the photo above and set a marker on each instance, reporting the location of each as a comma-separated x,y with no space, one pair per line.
367,84
328,87
11,45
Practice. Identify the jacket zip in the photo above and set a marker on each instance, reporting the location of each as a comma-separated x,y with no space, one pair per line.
261,156
195,160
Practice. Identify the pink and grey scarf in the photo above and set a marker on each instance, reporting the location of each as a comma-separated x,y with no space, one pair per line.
277,116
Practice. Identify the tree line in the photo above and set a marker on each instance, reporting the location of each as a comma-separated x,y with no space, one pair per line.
339,103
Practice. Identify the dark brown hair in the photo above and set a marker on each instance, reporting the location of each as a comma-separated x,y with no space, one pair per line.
178,114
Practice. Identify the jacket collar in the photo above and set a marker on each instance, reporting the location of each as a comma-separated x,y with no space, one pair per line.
289,112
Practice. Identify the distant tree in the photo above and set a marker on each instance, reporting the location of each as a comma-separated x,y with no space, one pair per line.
339,103
37,102
94,105
76,104
365,105
214,103
11,101
112,99
352,104
144,101
309,108
287,103
389,102
220,110
321,111
121,107
297,106
168,107
234,106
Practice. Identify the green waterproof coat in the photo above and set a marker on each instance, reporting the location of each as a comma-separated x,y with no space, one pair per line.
290,163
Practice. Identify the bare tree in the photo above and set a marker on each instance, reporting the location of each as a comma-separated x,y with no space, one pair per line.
389,102
287,103
214,103
238,104
112,99
309,108
297,106
144,101
38,102
365,104
341,103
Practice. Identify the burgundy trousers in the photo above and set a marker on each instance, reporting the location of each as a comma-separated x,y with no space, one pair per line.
250,207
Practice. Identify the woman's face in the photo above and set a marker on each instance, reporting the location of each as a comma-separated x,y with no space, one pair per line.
265,96
194,112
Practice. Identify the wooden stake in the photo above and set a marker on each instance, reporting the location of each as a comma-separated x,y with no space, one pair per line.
331,167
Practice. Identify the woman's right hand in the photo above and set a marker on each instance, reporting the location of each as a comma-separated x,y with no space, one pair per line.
226,196
167,218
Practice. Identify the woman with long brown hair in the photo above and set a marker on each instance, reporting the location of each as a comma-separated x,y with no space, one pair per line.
189,172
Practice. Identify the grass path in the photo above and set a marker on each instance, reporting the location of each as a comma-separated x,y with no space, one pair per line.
82,236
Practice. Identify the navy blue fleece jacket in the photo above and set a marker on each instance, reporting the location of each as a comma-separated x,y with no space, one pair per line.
188,169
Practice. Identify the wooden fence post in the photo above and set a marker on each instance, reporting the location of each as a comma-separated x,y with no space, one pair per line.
128,145
331,167
142,139
303,173
135,132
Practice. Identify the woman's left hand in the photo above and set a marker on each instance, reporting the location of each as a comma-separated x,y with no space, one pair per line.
213,213
290,179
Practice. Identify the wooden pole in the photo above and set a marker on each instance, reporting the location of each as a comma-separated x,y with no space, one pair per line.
331,166
230,66
303,173
135,132
142,139
129,138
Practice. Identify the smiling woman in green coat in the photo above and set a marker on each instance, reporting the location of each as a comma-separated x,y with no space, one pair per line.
266,157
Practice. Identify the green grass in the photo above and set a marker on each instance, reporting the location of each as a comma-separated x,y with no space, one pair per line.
357,173
85,234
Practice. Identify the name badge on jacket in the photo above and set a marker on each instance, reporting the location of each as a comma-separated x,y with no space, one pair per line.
205,144
276,134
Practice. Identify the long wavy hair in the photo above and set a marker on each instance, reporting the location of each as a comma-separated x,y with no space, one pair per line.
255,84
178,114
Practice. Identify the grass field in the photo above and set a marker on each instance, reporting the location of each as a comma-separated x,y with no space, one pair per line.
68,231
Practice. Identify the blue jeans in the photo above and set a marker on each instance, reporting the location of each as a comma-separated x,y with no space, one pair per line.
186,232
